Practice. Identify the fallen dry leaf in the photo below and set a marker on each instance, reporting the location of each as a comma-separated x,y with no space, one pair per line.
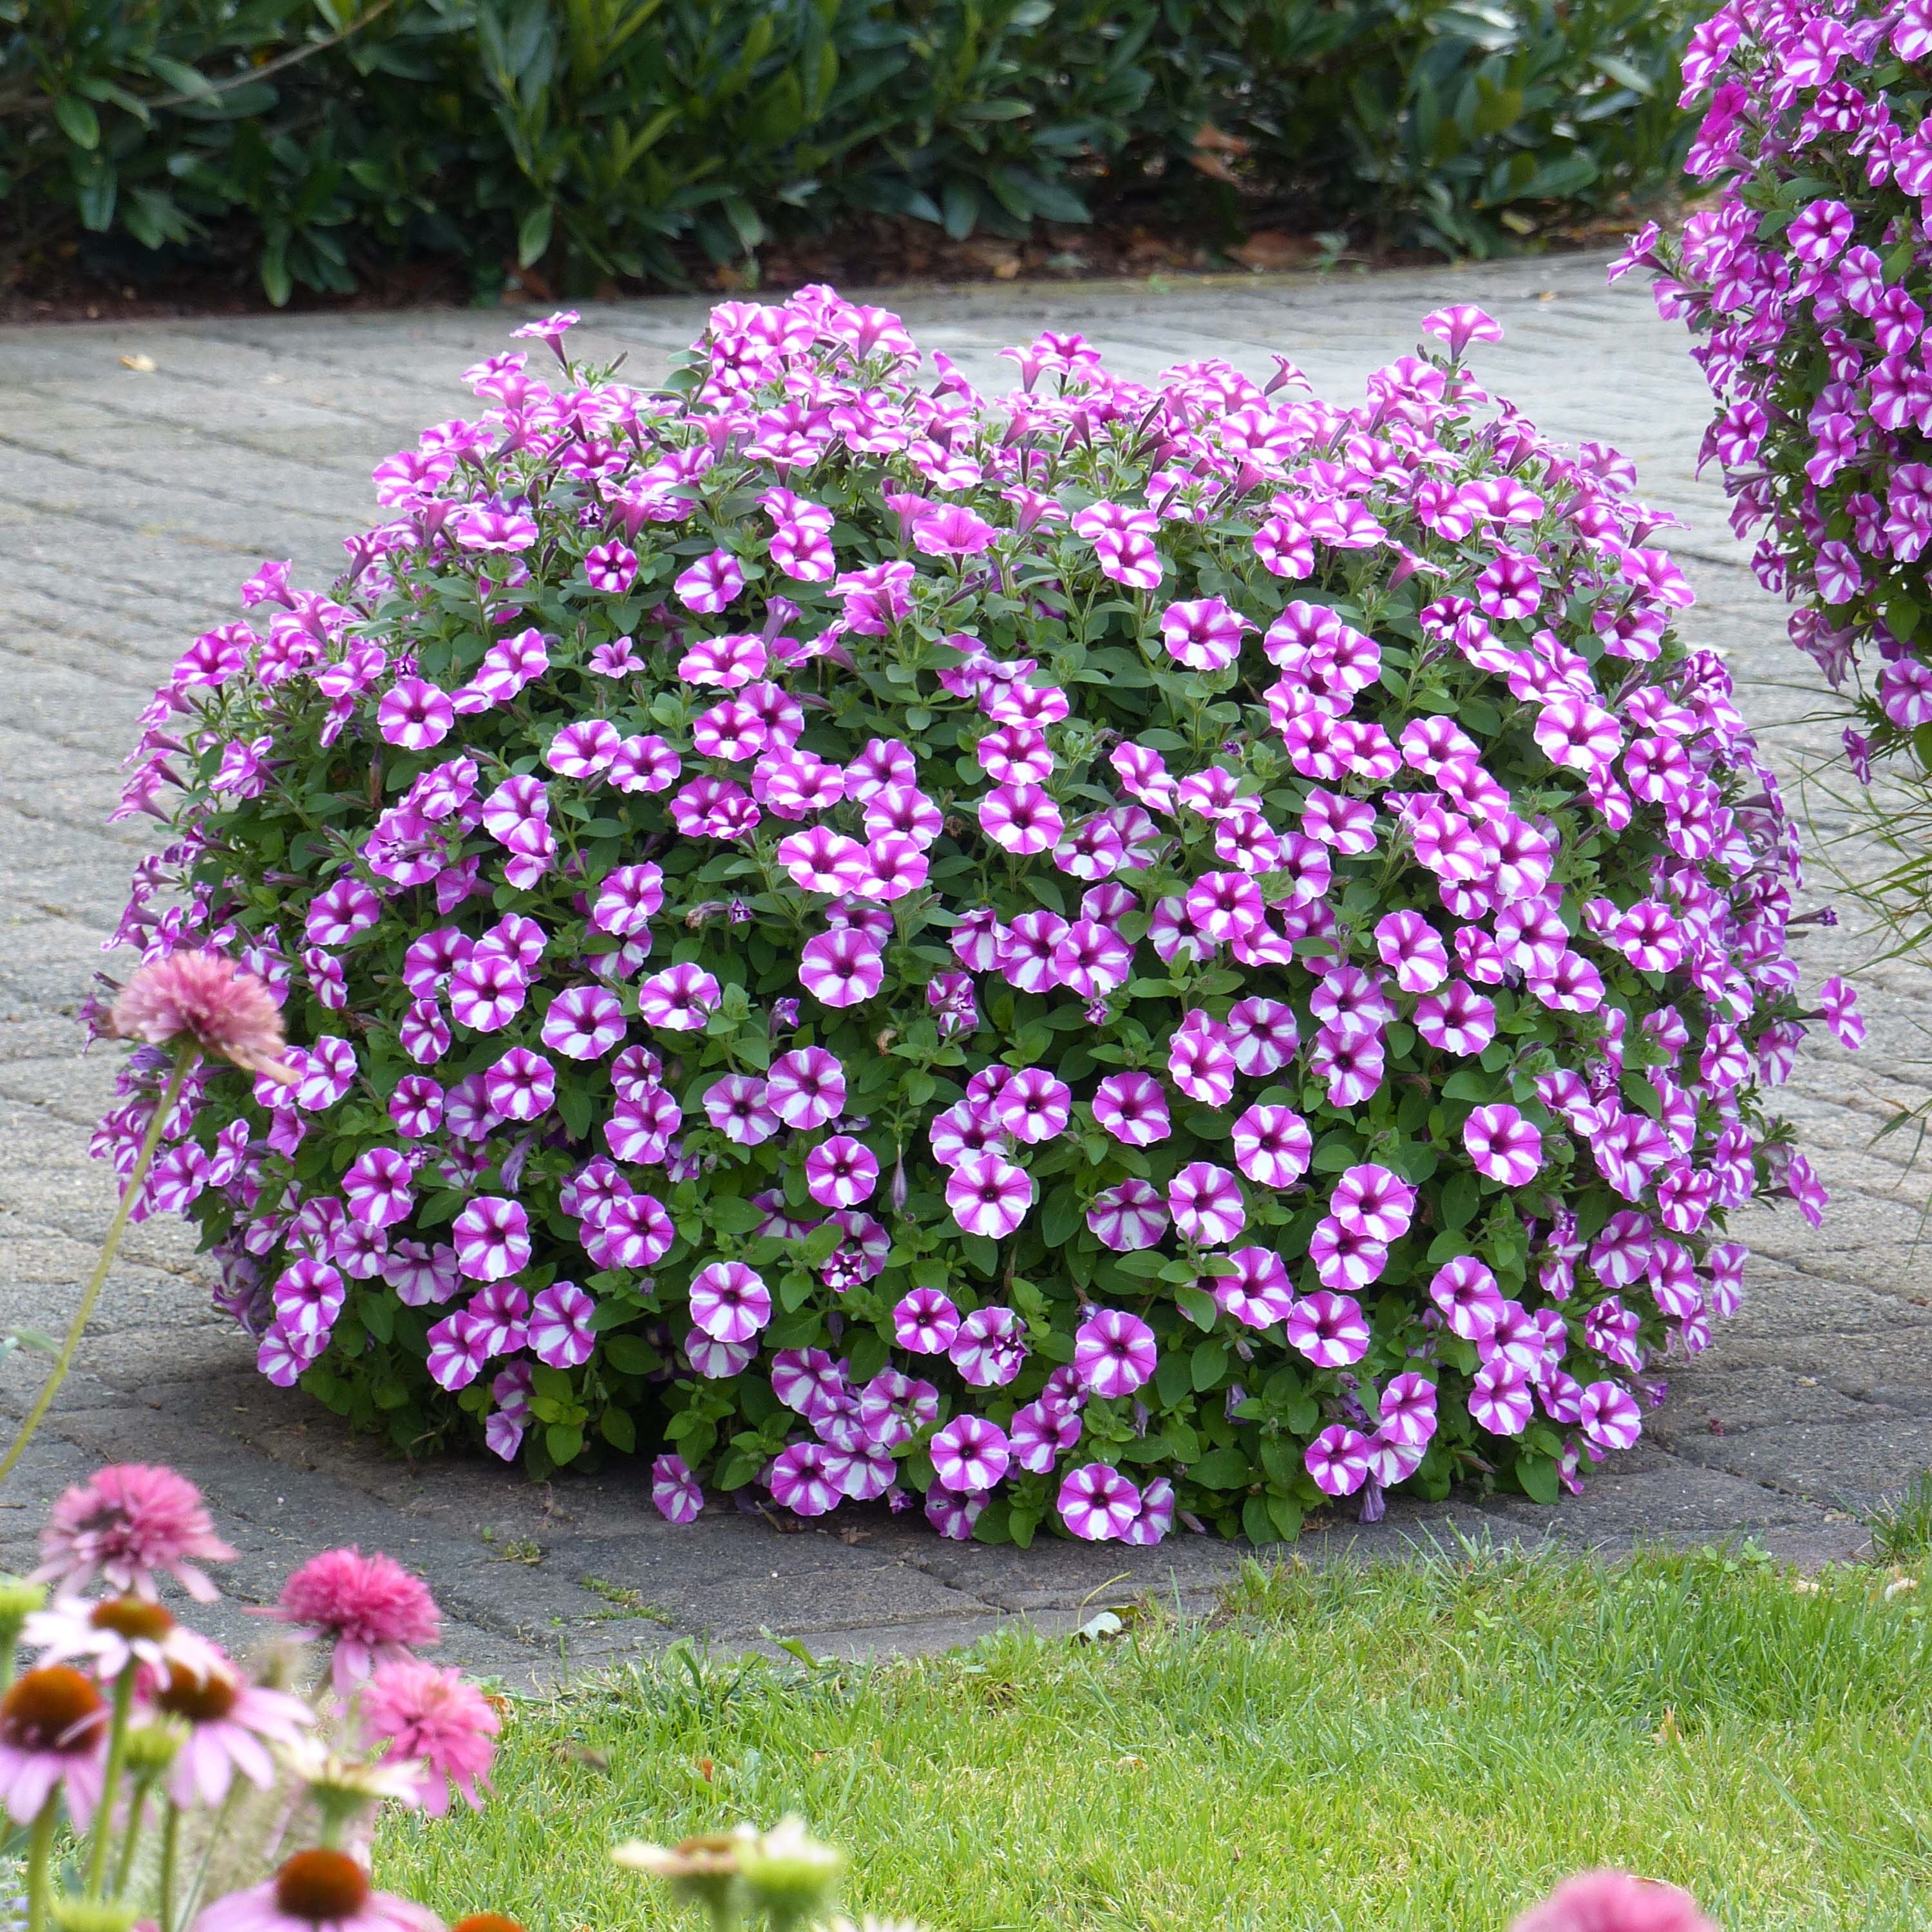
1270,248
1207,135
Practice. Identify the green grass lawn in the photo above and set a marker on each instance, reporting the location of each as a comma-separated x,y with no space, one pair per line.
1428,1745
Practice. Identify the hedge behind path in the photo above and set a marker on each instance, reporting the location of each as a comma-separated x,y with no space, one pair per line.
597,140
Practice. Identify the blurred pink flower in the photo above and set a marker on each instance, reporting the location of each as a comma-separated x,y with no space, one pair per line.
206,996
372,1608
436,1718
230,1725
313,1890
53,1737
126,1525
1614,1901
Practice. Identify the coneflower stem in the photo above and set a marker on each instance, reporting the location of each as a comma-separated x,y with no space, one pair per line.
40,1858
170,1842
117,1758
137,1819
188,1054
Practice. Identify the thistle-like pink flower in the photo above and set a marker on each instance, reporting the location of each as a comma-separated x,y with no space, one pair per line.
127,1525
438,1720
207,997
371,1608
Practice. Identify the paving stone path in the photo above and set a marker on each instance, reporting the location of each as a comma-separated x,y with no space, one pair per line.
132,501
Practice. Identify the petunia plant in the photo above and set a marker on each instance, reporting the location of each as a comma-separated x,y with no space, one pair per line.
1807,278
1126,954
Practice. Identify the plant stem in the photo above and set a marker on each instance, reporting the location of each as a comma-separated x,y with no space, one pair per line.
40,1856
117,1757
216,1830
137,1809
189,1053
170,1844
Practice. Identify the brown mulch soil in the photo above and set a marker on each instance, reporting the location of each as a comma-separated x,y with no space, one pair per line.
125,283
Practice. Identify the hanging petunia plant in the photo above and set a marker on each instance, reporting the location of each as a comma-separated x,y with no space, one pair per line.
1126,954
1806,279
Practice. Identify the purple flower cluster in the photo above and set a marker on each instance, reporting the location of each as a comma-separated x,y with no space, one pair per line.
1807,280
1122,954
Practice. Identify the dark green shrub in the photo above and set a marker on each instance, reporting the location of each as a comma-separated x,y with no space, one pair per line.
607,139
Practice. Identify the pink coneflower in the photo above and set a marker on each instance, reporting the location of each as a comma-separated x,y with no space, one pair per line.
1614,1901
437,1718
370,1607
53,1733
126,1525
230,1724
206,995
116,1632
316,1891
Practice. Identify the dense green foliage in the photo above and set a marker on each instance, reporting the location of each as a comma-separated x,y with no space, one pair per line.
617,139
1422,1747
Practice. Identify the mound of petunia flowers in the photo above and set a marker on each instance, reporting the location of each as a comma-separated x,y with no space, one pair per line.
153,1778
1807,279
1129,953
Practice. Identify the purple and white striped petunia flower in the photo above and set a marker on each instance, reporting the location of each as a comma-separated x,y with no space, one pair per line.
1206,1203
1503,1145
738,1107
1329,1329
1273,1146
1500,1397
1097,1503
1204,634
840,1172
988,1195
990,1348
1369,1200
730,1301
560,1330
1130,1215
584,1022
925,1321
804,1479
969,1455
492,1236
679,1000
1033,1106
1257,1293
675,1491
710,583
1408,1406
842,968
1113,1352
1338,1459
377,1188
1609,1416
1466,1292
806,1087
1132,1108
